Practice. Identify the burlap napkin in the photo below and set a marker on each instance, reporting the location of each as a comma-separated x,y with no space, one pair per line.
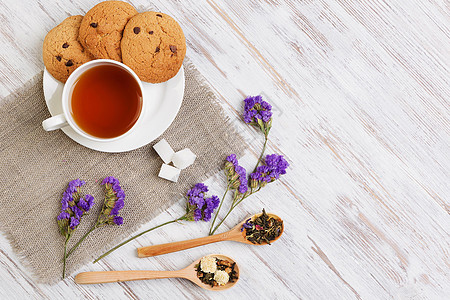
36,166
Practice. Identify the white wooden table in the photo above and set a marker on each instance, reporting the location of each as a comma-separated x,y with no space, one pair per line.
361,98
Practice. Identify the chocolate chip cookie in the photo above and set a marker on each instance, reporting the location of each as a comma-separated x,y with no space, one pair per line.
102,27
154,46
62,53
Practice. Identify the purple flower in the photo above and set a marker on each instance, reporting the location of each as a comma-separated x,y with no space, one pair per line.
276,163
257,109
237,175
73,207
241,183
213,202
243,188
116,187
256,176
64,204
247,223
207,214
196,195
197,190
114,202
193,200
232,159
77,212
111,180
82,204
120,194
198,206
68,195
74,185
118,220
89,200
240,170
265,174
74,223
200,202
265,115
86,203
63,215
197,215
117,206
266,106
275,166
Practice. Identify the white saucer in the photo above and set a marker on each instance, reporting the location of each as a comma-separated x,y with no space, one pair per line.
165,102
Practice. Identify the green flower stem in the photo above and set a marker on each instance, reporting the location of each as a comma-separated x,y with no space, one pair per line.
238,202
229,211
136,236
81,240
64,260
262,152
217,212
235,200
235,203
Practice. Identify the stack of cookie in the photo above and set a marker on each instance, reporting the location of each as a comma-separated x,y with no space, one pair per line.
150,43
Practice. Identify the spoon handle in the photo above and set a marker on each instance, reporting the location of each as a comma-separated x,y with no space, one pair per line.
116,276
183,245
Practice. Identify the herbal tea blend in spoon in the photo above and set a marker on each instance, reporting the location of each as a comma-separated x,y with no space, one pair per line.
260,229
212,272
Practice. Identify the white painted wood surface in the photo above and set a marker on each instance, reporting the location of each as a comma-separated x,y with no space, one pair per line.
361,98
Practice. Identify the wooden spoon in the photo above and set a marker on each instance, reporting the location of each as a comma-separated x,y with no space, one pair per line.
234,234
189,273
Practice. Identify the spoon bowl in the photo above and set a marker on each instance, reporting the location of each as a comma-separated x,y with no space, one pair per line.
253,218
205,286
235,234
189,273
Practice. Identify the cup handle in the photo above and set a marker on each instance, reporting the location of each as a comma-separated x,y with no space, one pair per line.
55,122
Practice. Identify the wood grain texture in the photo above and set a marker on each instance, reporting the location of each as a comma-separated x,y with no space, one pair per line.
361,101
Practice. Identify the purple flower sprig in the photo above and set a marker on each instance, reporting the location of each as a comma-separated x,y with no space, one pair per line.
258,112
73,207
237,175
109,215
199,207
114,202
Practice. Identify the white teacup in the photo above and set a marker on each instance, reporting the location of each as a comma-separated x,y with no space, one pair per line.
66,118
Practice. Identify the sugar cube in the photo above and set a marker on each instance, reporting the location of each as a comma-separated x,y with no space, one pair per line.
169,173
183,158
164,150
